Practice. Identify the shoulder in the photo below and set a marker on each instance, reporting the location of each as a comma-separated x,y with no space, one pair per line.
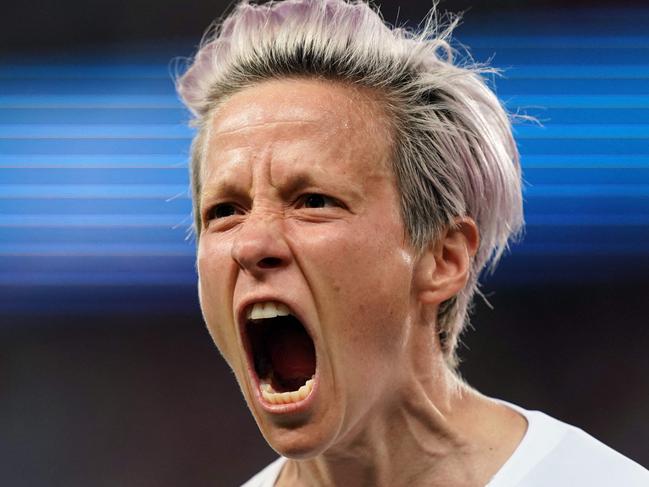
267,476
558,454
580,459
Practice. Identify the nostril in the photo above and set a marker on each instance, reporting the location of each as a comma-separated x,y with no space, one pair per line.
269,262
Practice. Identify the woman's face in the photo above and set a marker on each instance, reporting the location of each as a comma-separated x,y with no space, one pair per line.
300,208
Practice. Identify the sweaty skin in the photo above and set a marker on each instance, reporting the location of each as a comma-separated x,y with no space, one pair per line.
299,205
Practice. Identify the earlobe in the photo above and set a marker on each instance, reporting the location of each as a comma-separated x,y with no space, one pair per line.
444,268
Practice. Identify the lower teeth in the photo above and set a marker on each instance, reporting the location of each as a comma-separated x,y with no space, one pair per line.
273,397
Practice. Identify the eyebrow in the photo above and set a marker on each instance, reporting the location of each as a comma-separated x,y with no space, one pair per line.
219,189
287,187
298,181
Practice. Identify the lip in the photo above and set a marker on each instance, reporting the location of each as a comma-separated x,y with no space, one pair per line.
294,407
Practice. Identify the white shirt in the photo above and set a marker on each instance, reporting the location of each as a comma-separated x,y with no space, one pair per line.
551,454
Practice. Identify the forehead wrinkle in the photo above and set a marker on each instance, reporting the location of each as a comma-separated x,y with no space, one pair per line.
214,170
271,123
235,146
226,178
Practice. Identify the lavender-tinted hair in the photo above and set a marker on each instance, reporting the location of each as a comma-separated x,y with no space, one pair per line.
454,153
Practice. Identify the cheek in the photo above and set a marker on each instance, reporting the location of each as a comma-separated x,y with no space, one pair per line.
213,296
367,276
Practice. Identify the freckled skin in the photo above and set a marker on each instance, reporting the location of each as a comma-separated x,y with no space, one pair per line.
347,265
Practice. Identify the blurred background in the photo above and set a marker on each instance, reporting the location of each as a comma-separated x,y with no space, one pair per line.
107,374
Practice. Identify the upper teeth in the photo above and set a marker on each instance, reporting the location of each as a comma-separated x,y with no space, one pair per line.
269,309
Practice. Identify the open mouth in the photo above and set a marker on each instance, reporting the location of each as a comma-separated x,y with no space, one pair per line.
282,351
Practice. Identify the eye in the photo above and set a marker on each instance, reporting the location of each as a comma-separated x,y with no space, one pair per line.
221,210
315,200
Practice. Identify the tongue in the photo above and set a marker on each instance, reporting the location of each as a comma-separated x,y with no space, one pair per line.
292,355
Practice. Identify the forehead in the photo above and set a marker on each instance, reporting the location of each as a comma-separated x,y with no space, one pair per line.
324,102
290,116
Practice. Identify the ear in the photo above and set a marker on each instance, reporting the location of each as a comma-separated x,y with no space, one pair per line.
443,269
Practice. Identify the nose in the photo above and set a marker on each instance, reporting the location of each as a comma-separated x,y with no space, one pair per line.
260,246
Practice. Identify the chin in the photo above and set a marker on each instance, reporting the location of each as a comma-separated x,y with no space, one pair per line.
296,445
298,442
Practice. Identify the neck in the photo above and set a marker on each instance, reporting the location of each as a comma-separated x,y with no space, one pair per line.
435,431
